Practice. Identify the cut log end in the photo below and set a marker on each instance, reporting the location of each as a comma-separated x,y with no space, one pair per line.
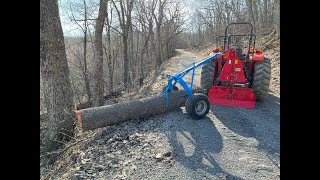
78,114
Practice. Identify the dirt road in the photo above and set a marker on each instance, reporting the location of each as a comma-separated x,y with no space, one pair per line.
230,143
174,65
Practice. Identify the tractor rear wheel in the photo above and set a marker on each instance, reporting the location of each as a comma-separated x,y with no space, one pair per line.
197,105
261,79
207,75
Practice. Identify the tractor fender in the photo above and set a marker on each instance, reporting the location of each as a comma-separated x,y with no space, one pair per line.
257,57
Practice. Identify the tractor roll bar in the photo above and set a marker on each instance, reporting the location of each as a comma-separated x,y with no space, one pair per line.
226,30
241,35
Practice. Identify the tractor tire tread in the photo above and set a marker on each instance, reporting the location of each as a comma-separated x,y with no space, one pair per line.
191,102
207,75
261,79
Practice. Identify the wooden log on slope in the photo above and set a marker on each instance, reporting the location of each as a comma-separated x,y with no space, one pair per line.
97,117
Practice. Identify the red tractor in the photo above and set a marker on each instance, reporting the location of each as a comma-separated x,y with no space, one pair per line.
237,78
233,75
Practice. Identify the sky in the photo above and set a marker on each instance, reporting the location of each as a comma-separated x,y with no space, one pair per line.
72,29
69,28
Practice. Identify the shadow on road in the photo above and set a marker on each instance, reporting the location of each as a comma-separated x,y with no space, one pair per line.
261,123
194,143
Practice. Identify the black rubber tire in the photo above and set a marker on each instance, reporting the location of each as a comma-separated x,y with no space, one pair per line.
261,79
207,75
175,88
192,102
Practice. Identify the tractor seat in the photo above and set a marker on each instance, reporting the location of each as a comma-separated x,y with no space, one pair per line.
238,48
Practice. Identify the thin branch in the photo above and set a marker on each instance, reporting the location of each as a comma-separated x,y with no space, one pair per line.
61,150
116,30
85,20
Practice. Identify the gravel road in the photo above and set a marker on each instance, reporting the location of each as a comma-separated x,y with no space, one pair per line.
230,143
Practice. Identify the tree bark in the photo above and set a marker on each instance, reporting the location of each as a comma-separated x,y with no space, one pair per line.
250,12
112,114
255,15
277,16
55,76
265,13
125,24
85,68
108,49
98,71
158,20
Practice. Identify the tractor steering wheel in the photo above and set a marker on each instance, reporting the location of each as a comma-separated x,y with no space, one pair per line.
237,48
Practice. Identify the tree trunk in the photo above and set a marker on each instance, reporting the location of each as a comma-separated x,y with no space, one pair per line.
256,13
265,13
112,114
144,49
138,59
125,60
159,47
98,71
250,12
125,30
55,76
277,16
132,61
110,61
85,68
158,29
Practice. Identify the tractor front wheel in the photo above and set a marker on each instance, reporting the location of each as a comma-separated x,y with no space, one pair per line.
261,79
197,106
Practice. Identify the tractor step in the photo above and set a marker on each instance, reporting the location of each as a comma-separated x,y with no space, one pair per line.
240,97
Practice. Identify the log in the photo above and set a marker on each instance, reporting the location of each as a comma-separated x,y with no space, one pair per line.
97,117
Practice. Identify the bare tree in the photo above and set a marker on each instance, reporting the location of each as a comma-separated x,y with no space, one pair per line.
84,65
265,13
211,16
145,19
98,70
172,27
124,16
55,76
250,11
142,34
158,19
108,50
277,16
